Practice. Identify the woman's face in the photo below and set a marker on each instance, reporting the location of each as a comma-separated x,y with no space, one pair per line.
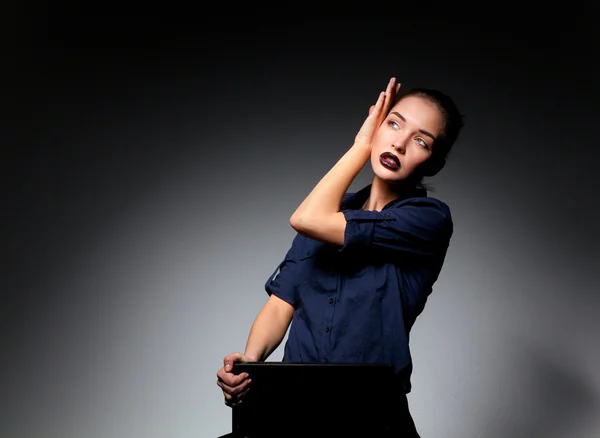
405,139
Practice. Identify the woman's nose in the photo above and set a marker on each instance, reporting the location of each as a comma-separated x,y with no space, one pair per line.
399,146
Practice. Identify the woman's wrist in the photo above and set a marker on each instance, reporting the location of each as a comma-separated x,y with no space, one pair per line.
362,145
251,357
360,151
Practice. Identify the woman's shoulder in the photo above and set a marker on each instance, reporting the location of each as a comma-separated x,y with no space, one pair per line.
425,207
425,201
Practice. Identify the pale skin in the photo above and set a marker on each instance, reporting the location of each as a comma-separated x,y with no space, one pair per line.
408,131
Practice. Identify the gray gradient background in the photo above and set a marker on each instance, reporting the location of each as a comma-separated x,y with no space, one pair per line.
151,167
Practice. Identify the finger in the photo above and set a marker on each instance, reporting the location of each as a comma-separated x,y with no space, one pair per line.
234,389
237,395
391,86
375,111
242,394
230,389
230,359
235,398
229,400
227,389
389,90
380,102
228,375
230,378
228,393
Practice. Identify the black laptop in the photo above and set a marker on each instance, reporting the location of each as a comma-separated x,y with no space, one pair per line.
311,400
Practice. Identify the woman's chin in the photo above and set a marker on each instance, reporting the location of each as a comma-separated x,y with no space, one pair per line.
389,176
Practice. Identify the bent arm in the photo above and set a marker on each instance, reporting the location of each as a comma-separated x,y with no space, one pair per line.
268,328
318,216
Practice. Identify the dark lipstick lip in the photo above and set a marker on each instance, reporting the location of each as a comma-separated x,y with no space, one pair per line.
391,156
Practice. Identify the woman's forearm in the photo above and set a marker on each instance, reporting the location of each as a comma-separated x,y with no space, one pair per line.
326,196
268,329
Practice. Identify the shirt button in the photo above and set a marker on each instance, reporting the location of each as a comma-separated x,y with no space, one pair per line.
330,300
326,329
325,360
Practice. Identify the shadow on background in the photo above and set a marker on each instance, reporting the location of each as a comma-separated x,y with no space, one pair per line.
553,398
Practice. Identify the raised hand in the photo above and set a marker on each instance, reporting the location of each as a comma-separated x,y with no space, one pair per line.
378,113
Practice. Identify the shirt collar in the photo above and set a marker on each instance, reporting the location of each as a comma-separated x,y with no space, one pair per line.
354,201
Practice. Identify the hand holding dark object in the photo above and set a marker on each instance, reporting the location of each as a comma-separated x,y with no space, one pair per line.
234,386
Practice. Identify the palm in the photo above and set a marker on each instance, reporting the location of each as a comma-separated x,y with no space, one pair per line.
377,113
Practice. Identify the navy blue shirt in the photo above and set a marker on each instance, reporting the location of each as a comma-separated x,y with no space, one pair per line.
357,303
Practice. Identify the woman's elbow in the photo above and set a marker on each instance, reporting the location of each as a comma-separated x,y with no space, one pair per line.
304,223
297,221
327,229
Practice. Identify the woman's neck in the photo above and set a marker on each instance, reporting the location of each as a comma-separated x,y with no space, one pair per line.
382,193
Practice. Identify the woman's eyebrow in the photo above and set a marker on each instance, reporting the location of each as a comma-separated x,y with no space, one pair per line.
399,115
422,131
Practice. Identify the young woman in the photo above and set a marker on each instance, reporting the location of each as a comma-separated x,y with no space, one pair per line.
363,264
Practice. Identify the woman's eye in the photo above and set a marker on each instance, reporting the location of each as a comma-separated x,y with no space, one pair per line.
394,124
422,143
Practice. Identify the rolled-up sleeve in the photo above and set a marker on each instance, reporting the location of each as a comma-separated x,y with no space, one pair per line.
281,282
419,226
